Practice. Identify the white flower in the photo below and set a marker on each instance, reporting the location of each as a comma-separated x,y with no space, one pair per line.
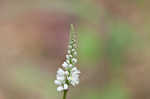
60,72
75,53
57,82
65,86
74,45
73,50
70,65
65,65
60,78
74,77
67,56
60,88
68,62
69,74
71,42
74,69
69,51
70,56
74,60
70,47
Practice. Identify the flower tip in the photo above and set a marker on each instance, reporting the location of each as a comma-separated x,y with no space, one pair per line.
72,27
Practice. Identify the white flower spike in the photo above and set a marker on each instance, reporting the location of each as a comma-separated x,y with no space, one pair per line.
68,75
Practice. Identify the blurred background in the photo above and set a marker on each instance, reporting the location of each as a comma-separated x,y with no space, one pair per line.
114,48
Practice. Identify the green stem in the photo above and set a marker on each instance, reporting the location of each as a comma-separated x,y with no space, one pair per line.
71,31
65,94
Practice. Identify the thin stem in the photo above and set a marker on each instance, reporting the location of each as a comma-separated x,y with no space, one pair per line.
71,31
65,94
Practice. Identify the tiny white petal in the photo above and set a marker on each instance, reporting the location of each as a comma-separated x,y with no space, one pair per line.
65,65
77,82
70,47
69,78
67,56
60,88
65,86
60,71
74,60
57,82
73,83
70,56
76,72
75,54
70,65
66,72
69,51
68,61
74,45
60,78
71,42
73,50
74,69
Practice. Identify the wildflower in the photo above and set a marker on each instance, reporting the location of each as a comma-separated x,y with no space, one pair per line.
68,75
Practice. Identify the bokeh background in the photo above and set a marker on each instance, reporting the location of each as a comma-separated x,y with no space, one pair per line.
114,48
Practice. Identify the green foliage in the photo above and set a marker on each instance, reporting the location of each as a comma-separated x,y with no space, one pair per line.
89,45
120,38
113,91
33,80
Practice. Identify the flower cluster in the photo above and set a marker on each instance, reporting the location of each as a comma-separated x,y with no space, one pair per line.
69,74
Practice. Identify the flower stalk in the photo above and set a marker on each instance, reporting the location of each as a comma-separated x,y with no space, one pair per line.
68,75
65,94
